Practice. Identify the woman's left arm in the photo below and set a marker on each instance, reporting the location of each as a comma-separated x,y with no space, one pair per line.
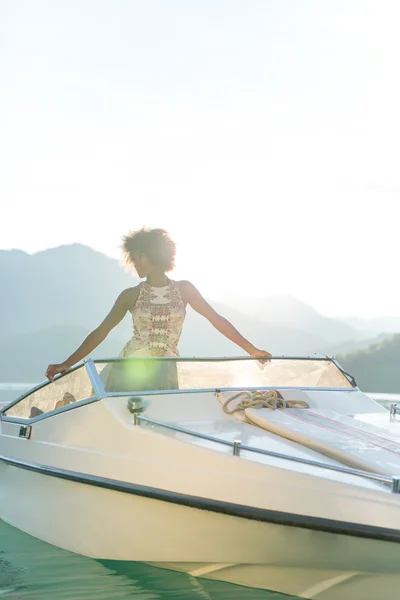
200,305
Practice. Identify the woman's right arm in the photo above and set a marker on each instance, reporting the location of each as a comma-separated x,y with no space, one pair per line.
122,304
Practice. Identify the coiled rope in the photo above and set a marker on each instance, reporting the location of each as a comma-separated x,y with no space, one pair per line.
257,399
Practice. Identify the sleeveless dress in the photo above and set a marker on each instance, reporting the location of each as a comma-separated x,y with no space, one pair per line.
157,316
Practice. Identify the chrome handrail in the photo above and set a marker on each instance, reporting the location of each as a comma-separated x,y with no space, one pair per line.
319,357
237,446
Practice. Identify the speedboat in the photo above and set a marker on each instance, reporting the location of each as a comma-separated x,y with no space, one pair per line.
279,475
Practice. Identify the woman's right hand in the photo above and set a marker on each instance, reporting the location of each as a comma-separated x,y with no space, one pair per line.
53,370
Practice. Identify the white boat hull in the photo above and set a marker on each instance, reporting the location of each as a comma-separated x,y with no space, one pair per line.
122,526
194,489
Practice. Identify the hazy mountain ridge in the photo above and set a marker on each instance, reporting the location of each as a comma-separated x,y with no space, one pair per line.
346,347
374,326
52,299
69,285
26,356
289,312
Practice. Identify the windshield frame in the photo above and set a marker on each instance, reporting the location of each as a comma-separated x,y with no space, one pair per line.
99,391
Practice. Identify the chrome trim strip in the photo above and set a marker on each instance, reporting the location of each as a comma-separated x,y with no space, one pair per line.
226,389
217,506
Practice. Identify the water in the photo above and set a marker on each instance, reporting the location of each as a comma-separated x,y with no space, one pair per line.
385,399
33,570
10,391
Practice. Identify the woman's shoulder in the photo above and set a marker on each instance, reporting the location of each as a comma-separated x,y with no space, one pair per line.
186,288
130,295
183,284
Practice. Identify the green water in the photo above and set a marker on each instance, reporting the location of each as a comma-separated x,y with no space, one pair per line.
33,570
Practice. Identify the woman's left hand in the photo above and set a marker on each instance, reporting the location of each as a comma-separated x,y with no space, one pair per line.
263,355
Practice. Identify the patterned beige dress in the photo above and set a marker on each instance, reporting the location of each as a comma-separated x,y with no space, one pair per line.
157,316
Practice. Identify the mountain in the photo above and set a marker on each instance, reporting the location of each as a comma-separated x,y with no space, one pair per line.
26,356
376,369
293,313
374,326
201,338
68,285
343,348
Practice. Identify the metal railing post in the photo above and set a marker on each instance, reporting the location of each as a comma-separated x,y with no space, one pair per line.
236,447
136,419
396,485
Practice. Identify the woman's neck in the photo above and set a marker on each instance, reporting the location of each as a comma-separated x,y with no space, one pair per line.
157,279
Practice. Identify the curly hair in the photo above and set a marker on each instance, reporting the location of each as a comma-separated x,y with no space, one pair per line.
156,244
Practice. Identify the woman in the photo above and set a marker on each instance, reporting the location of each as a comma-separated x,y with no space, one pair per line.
158,308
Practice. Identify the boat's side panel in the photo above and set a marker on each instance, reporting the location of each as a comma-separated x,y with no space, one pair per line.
125,526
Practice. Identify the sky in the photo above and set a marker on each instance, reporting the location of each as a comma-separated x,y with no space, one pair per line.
263,134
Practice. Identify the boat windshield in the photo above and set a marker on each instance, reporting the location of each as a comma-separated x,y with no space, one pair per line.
123,375
65,390
129,376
